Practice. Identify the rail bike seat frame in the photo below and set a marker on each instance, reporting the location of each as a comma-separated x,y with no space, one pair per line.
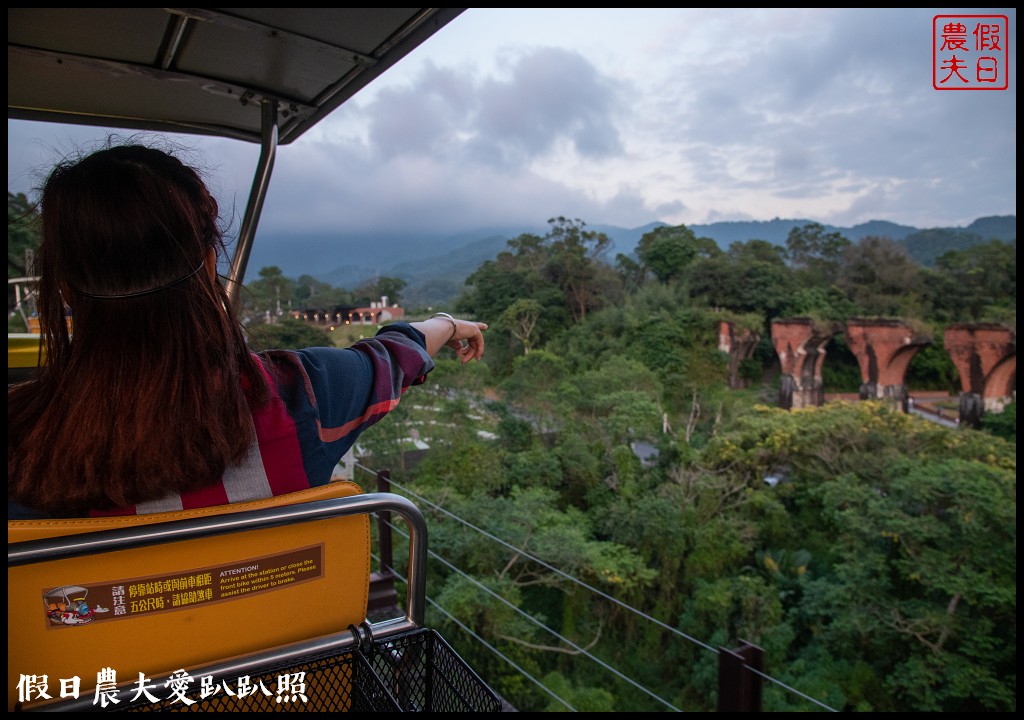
214,592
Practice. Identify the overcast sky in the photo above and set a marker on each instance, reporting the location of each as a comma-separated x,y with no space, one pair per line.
509,117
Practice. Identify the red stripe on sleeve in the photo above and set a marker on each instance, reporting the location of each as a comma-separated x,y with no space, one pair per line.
279,445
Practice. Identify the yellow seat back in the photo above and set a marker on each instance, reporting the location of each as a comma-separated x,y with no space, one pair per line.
181,604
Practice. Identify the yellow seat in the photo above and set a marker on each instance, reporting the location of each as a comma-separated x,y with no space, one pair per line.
205,593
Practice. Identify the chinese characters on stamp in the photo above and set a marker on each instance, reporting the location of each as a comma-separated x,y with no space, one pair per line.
970,52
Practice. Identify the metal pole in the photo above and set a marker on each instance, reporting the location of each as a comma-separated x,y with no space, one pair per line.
739,687
258,193
383,596
384,525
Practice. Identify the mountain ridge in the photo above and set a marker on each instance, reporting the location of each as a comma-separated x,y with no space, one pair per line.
435,267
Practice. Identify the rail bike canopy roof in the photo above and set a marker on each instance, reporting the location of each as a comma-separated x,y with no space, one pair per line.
203,70
262,75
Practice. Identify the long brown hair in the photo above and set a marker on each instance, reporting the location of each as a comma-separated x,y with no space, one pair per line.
149,392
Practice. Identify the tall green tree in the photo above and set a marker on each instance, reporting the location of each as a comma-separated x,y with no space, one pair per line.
307,292
815,254
23,234
751,277
520,318
574,264
910,528
922,582
879,277
516,274
266,299
667,251
631,273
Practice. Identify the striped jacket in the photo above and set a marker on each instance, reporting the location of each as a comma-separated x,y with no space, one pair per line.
322,399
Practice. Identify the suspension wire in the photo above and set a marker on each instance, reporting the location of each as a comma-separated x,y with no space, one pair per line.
793,690
591,588
483,642
635,611
564,639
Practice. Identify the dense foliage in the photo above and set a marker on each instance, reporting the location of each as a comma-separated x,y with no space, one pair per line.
870,553
614,514
287,333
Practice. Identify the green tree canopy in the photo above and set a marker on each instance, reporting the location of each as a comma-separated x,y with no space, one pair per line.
286,334
377,288
266,299
309,292
750,277
816,254
574,265
976,285
668,251
879,277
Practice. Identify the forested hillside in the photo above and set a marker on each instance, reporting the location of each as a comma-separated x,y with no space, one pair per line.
871,554
926,246
435,268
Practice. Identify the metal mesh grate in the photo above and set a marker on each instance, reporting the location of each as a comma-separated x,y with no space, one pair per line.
412,672
424,674
334,682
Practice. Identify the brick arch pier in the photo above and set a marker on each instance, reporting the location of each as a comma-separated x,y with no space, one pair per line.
800,344
739,344
985,356
884,349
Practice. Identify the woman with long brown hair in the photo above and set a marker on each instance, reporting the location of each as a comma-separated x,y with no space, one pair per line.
152,400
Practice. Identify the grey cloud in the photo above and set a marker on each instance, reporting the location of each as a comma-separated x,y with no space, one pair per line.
851,103
552,95
407,193
669,209
843,102
428,117
629,206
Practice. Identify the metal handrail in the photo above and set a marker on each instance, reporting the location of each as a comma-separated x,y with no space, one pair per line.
104,541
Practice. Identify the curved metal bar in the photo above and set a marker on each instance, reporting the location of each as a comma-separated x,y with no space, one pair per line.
258,193
102,541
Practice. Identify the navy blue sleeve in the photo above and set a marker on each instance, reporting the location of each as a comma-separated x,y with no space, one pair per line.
339,392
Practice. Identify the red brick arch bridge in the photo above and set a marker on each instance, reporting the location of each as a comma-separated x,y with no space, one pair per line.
985,356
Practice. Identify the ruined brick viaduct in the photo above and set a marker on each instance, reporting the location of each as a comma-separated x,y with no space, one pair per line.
985,356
